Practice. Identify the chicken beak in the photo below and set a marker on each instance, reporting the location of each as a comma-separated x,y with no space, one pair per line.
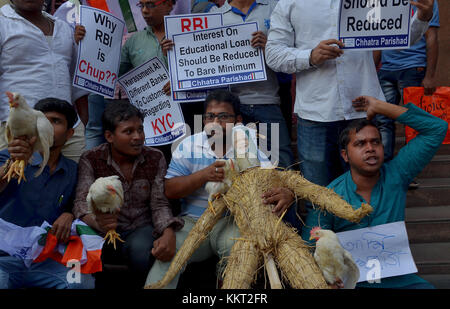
311,237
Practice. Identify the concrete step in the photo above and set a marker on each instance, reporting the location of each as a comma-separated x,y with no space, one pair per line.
433,262
400,141
431,192
438,167
428,224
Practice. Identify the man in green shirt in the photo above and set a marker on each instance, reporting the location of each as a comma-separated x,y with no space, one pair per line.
383,185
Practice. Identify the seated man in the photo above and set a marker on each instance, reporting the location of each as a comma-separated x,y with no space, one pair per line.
194,164
48,197
145,214
382,185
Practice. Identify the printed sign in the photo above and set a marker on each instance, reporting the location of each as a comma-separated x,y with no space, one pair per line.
164,122
379,251
182,24
216,57
374,24
99,52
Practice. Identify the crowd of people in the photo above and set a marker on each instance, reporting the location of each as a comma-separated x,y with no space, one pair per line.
345,133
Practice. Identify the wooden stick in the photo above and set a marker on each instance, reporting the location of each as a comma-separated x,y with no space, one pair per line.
272,272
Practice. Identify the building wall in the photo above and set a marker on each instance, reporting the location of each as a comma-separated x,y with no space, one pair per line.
443,71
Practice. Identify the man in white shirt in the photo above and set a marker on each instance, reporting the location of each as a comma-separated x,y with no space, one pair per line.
37,56
302,40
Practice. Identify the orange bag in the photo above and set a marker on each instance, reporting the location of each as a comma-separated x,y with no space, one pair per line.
437,104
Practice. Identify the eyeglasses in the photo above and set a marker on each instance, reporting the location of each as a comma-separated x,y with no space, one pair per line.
150,5
221,116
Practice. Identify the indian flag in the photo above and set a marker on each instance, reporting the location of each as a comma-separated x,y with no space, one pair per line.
35,244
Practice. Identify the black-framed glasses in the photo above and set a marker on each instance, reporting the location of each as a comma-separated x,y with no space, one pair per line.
221,116
150,5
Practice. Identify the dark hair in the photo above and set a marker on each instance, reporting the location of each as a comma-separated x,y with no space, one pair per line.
118,111
356,125
60,106
223,96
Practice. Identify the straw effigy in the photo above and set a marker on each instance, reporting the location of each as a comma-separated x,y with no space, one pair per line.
263,234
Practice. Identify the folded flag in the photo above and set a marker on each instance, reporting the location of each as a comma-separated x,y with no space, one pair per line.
36,244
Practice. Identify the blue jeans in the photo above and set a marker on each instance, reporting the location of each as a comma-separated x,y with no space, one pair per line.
270,113
318,150
94,127
392,83
48,274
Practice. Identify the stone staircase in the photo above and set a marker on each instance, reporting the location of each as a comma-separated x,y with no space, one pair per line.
428,217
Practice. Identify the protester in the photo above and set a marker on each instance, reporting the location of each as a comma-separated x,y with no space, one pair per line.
302,40
383,185
401,68
260,102
145,220
37,59
48,197
193,165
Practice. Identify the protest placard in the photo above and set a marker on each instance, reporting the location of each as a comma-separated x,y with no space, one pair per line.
379,251
374,24
163,122
182,24
216,57
99,52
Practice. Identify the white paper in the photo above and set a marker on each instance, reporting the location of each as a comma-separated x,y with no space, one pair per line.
380,251
216,57
164,122
374,24
99,51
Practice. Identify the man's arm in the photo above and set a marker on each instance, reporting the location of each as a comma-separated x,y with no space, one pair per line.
431,38
419,22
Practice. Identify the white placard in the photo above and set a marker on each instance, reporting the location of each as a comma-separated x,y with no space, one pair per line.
186,23
99,52
216,57
374,24
164,122
380,251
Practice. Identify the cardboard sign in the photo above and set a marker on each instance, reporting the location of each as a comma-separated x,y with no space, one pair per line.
437,104
99,52
182,24
374,24
379,251
163,123
216,57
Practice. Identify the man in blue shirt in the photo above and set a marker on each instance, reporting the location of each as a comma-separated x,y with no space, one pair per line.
401,68
383,185
48,197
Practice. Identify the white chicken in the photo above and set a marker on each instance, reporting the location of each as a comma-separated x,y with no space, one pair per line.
25,121
335,262
106,195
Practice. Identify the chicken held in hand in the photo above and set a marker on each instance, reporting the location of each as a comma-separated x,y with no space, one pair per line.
106,196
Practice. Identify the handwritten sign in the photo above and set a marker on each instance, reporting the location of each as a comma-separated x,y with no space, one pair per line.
380,251
182,24
374,24
99,52
216,57
163,123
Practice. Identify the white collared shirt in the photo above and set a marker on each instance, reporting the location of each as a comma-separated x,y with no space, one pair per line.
325,93
29,64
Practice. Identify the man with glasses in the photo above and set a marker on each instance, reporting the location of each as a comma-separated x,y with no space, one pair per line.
193,164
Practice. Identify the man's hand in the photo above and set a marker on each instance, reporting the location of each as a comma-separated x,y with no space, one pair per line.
165,246
214,172
106,221
21,148
61,227
325,51
166,88
424,9
166,45
79,33
282,198
429,84
365,104
259,40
